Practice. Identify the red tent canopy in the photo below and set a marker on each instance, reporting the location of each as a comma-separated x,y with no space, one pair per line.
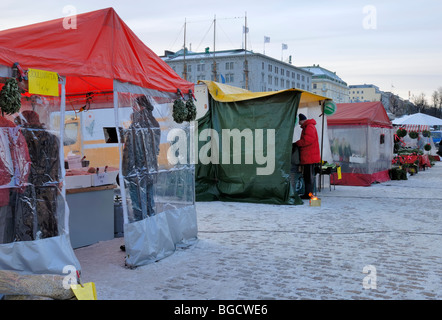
368,113
100,49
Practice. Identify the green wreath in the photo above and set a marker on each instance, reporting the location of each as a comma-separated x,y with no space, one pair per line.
179,112
10,97
191,110
413,134
183,111
401,132
426,133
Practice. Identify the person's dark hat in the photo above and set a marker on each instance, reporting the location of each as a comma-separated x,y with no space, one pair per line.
302,117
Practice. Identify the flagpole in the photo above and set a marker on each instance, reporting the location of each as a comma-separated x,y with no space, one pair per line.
214,49
246,69
184,53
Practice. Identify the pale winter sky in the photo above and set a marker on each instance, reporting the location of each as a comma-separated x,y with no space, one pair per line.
395,45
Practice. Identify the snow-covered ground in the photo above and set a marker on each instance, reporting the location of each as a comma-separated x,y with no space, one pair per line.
377,242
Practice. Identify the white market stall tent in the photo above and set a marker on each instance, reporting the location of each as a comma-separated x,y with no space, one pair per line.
418,122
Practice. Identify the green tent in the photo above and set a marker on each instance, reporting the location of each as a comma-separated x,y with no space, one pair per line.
244,145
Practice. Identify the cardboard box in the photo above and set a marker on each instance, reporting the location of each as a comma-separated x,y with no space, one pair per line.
78,181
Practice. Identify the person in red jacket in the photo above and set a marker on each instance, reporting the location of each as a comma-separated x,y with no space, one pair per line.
310,154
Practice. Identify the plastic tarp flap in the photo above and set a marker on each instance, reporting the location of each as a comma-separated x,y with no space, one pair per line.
244,150
157,185
363,152
33,212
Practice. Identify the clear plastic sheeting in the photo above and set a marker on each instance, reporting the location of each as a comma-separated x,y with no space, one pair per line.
157,184
361,150
33,210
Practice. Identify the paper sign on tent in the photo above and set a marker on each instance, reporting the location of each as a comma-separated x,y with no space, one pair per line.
43,82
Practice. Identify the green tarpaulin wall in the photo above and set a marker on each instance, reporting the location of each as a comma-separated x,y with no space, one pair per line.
256,119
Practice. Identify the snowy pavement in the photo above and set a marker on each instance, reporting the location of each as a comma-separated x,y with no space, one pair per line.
382,242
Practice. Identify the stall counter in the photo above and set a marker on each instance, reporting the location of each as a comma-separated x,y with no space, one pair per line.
91,217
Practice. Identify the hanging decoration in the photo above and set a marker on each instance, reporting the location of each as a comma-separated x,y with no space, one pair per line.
401,132
191,108
87,106
179,111
10,97
413,134
184,110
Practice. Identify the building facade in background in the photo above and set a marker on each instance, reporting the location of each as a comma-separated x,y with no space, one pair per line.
240,68
326,83
364,93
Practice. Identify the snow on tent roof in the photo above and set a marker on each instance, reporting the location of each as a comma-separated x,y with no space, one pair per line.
101,48
367,113
418,119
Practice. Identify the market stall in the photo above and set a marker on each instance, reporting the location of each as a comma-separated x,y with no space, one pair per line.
361,142
417,132
99,102
245,143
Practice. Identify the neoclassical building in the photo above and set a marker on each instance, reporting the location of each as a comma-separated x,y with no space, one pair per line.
240,68
364,93
326,83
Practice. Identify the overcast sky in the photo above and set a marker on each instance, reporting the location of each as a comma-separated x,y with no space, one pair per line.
396,45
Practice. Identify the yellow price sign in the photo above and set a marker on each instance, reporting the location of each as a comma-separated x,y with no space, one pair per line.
43,82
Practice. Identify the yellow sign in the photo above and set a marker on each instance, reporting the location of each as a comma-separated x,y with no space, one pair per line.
339,173
43,82
86,291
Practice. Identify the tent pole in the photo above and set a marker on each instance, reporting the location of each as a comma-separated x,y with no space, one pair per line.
322,145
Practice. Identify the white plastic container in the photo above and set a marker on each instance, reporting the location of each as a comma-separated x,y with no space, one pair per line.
78,181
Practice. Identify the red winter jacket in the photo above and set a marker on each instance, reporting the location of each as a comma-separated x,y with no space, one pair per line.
309,143
14,161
